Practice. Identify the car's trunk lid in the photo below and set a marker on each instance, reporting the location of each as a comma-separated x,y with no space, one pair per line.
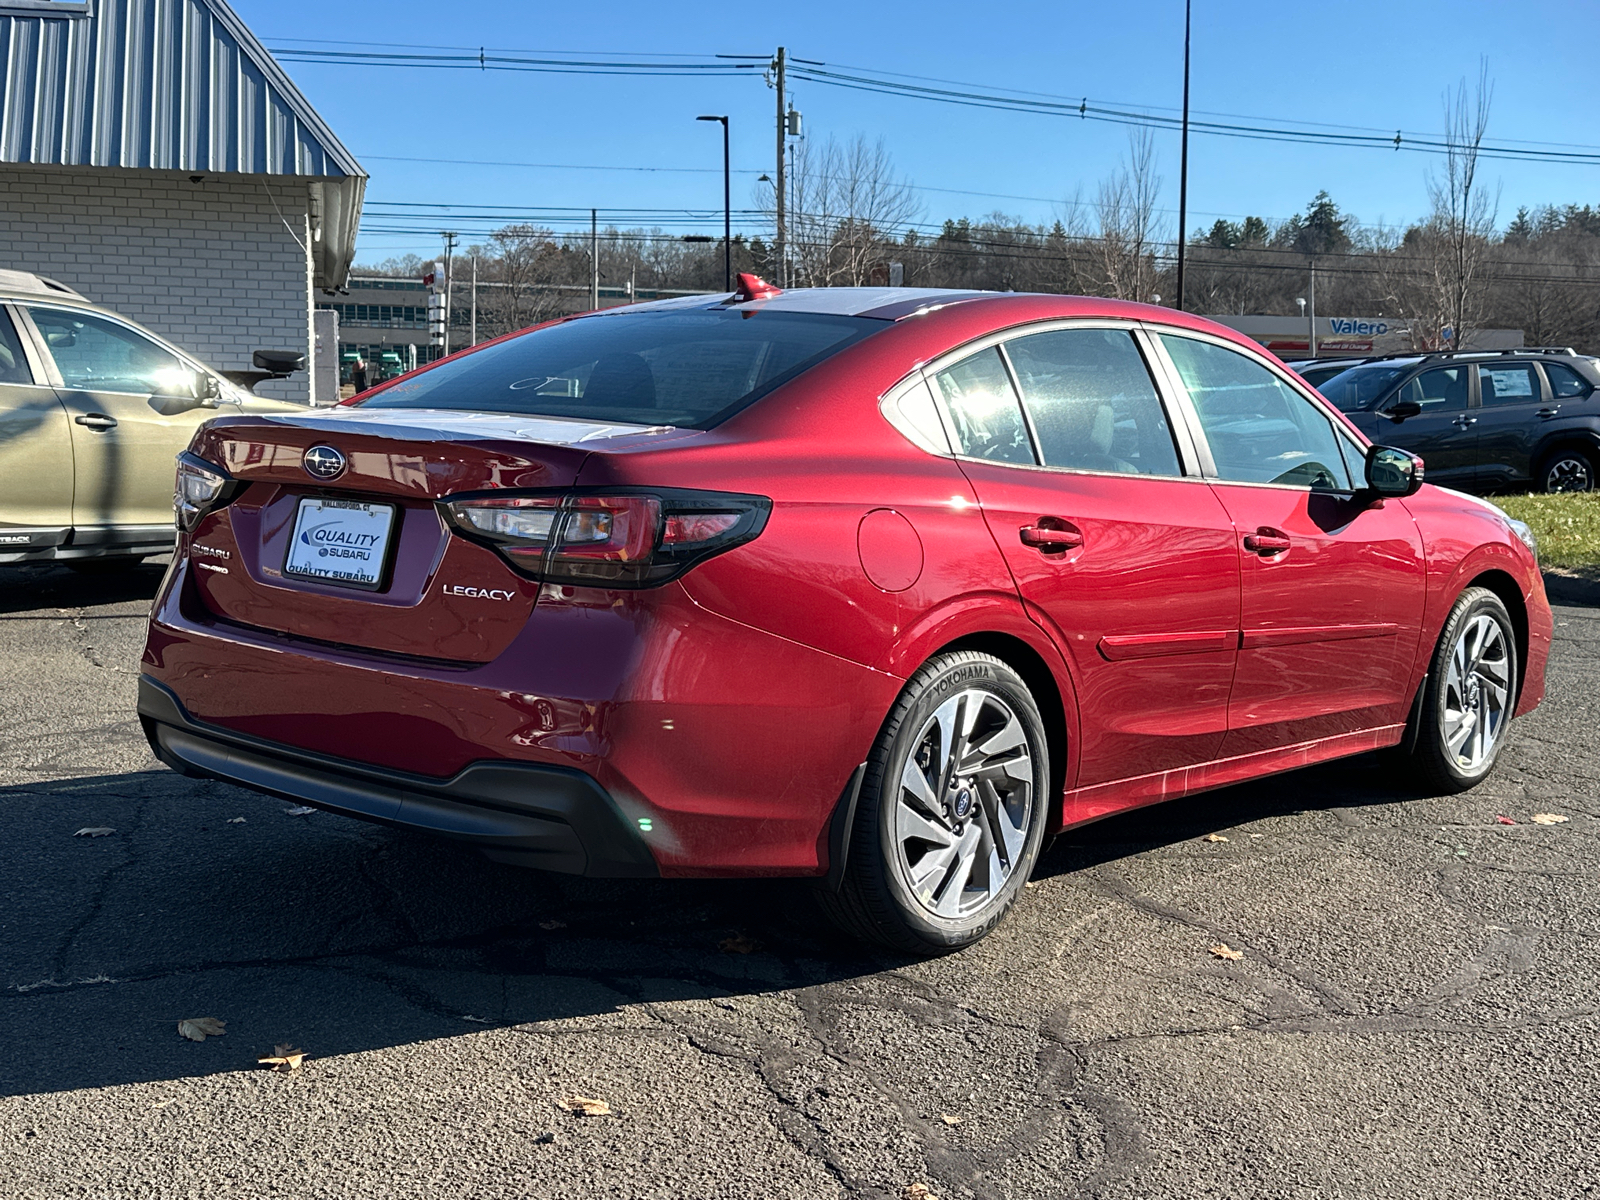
432,595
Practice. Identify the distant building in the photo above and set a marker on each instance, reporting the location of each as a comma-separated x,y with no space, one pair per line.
1353,337
155,157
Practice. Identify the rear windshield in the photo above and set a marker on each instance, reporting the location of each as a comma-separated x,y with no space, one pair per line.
1355,389
685,368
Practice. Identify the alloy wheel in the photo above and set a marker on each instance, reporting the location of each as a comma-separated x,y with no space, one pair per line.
1477,692
1569,473
964,804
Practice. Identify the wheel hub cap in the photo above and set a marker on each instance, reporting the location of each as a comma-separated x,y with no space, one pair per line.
964,805
1477,692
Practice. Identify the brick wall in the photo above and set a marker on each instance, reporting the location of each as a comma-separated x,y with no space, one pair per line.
211,266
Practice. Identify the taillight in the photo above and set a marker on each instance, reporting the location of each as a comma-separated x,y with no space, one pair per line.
615,538
199,487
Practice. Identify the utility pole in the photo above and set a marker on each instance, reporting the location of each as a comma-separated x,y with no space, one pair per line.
1311,312
727,207
594,259
782,238
1183,162
474,341
449,245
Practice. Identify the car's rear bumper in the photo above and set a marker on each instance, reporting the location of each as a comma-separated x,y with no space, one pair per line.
555,818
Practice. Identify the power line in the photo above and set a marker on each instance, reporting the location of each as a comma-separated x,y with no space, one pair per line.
896,84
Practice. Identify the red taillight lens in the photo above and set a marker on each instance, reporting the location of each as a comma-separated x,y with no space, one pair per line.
626,539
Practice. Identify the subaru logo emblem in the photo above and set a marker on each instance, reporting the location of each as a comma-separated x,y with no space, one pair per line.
323,462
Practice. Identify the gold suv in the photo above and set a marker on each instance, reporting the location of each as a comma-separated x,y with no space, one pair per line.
93,410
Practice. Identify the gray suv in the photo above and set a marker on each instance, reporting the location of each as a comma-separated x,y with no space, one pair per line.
1488,421
93,411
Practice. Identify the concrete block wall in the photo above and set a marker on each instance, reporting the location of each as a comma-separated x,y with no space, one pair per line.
214,267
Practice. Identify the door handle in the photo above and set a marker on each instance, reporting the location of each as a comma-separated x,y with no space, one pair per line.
1547,413
1051,534
1463,422
1267,542
98,422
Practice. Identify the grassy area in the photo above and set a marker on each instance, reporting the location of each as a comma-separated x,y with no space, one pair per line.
1567,526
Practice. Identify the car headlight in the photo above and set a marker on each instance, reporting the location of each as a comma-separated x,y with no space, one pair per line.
197,488
1524,535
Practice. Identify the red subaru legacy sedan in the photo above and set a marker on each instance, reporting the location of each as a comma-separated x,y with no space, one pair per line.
880,586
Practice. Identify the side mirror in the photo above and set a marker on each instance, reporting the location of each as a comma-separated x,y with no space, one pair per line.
1392,472
1401,409
189,390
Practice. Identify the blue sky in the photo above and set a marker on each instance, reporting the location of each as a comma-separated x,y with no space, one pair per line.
1369,66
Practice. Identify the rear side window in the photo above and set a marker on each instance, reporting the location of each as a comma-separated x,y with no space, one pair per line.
13,364
1092,402
684,368
983,410
1508,385
1565,383
1260,429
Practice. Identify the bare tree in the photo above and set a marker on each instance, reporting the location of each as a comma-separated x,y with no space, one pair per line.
1126,207
847,206
525,265
1446,294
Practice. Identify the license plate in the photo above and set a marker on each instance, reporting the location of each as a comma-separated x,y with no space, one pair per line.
340,541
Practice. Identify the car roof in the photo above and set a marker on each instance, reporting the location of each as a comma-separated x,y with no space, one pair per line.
26,283
885,303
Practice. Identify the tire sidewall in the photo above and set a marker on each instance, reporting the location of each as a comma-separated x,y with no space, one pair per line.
1479,601
935,684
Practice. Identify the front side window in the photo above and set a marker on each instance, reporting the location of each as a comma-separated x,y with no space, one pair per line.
96,355
1093,404
1565,383
1508,385
983,410
1260,429
686,367
1444,389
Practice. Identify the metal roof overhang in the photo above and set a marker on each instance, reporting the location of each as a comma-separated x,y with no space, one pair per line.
170,85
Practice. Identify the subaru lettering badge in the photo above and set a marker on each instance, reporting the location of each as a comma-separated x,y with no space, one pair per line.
323,462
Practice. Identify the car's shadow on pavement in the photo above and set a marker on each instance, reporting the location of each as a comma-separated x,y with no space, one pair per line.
37,589
340,937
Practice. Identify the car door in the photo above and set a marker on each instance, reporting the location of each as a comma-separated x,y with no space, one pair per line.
1512,413
1126,561
1445,432
1331,583
114,383
35,452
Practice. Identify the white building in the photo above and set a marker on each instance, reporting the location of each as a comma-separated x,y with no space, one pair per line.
1353,337
154,157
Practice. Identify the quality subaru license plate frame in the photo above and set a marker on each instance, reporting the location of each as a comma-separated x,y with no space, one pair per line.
384,548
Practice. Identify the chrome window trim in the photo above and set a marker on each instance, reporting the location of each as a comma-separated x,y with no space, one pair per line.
1189,461
1307,392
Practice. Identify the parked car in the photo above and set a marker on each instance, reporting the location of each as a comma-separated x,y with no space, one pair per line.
1317,371
1486,421
879,586
93,411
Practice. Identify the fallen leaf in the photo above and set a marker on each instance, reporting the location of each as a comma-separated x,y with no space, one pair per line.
198,1029
95,831
739,943
552,923
235,820
1223,950
949,1120
918,1191
1504,821
284,1057
585,1106
1214,837
299,811
1550,819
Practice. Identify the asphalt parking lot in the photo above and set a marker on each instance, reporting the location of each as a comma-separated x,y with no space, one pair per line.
1414,1012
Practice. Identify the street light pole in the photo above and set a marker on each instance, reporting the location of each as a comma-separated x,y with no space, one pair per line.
727,207
1183,161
